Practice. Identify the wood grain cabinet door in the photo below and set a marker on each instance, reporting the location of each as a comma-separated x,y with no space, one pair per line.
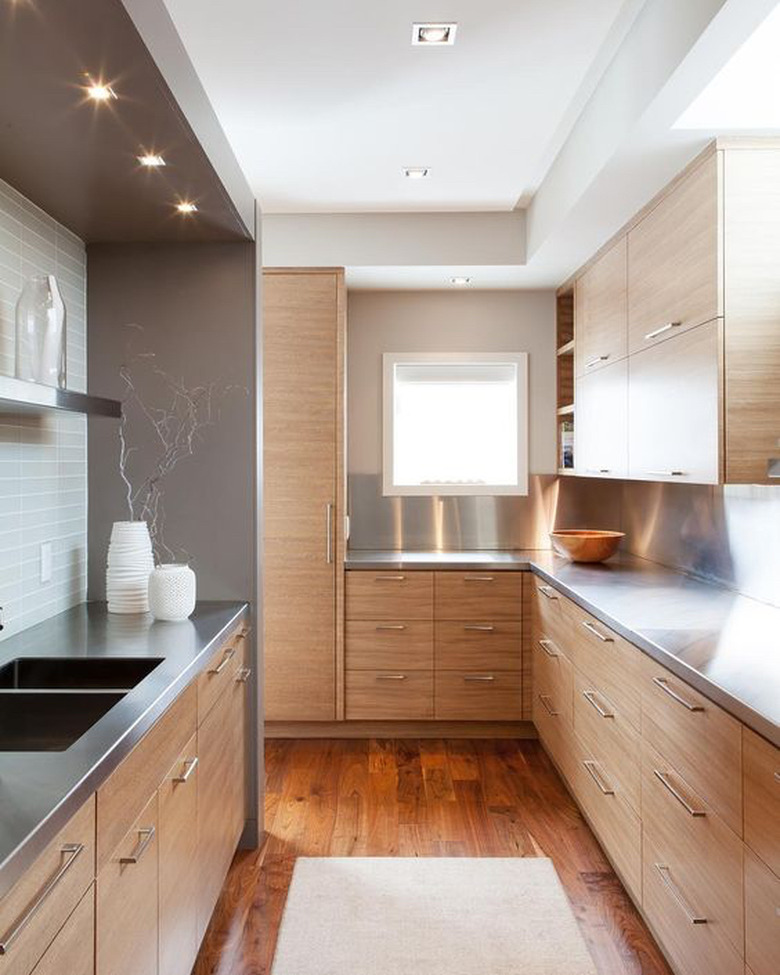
601,430
601,311
674,274
301,323
127,901
73,950
674,409
178,798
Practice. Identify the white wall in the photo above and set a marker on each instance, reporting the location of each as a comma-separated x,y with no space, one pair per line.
436,321
43,458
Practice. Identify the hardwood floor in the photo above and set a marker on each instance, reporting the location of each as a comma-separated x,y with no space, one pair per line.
419,798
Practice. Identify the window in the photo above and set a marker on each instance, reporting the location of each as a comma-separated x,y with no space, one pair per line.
455,424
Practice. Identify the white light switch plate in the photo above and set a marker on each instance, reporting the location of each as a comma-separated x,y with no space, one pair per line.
46,562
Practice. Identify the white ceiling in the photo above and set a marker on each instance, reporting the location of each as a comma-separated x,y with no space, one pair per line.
325,102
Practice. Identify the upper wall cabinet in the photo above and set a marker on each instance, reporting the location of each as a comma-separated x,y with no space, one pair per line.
600,308
674,271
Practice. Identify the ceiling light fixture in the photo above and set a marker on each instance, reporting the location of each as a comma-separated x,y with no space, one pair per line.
151,160
461,282
186,207
433,35
416,172
99,92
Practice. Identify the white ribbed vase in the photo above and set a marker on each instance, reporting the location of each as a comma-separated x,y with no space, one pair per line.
130,560
172,592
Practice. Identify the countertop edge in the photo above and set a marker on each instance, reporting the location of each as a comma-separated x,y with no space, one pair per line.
23,856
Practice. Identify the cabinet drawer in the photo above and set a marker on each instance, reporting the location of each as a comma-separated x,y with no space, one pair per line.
553,682
608,660
219,672
478,595
378,644
762,917
389,694
478,646
73,950
696,737
68,862
122,797
478,696
673,261
389,595
609,736
551,621
762,798
127,926
691,857
616,824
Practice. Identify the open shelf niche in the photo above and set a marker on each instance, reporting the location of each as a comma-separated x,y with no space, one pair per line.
564,337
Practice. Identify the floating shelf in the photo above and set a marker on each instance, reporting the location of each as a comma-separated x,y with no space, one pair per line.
567,348
566,410
19,396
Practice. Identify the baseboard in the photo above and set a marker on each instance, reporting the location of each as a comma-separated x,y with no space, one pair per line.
400,729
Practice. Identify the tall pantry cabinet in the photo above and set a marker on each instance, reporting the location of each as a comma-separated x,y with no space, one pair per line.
304,334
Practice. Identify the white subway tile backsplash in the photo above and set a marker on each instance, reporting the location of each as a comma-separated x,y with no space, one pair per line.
43,459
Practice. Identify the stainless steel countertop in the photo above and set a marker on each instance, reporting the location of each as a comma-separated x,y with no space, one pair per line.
39,791
725,645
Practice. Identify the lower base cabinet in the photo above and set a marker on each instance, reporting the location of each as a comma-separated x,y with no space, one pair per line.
73,950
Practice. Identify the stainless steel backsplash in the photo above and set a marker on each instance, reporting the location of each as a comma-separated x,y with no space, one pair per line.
728,535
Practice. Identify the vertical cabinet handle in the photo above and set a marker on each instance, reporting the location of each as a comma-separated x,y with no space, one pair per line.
671,886
190,765
145,837
329,532
70,853
663,683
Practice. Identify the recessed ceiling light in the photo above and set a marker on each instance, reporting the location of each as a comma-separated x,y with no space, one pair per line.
460,281
416,172
151,160
99,92
433,35
186,207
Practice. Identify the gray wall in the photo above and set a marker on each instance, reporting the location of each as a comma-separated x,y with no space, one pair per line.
196,305
447,321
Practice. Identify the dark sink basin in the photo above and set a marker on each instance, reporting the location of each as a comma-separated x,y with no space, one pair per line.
49,722
76,673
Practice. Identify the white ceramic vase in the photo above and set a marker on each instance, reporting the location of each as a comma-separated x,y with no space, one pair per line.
130,561
172,592
40,332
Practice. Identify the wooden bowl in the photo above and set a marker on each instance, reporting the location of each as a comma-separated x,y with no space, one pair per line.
584,545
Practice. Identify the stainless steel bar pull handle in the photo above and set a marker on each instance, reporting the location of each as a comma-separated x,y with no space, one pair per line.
481,627
70,853
485,678
145,837
590,697
665,473
479,579
546,704
228,656
663,683
671,886
391,677
190,765
549,648
243,675
329,533
596,360
548,591
660,331
389,578
391,626
595,774
597,470
665,779
604,637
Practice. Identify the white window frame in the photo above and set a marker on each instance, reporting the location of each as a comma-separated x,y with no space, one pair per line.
391,359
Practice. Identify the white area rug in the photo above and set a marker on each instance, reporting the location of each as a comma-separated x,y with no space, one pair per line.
428,916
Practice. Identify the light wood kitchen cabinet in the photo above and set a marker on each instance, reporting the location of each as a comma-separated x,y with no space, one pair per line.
127,900
674,409
303,421
674,271
73,950
477,695
762,798
384,644
478,646
478,595
178,852
221,789
33,912
601,433
389,596
601,310
762,916
389,695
